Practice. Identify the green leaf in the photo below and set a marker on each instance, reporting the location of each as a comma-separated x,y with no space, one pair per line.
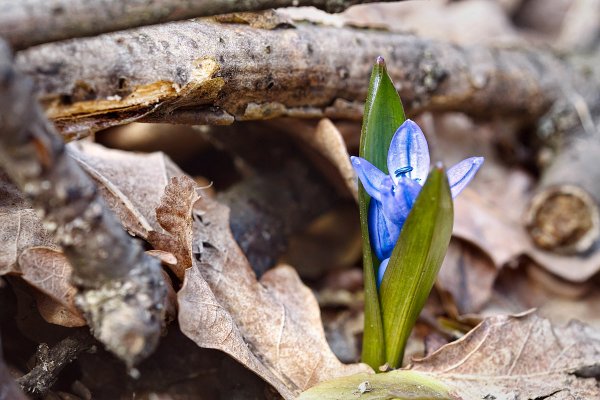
398,384
382,116
415,262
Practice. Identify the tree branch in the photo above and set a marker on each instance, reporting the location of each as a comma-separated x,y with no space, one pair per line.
51,361
27,23
246,73
121,290
564,215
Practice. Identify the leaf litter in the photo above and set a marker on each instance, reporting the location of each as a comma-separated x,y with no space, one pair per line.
273,325
505,357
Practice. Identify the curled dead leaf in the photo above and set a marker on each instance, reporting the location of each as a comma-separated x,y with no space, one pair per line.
49,272
130,183
174,214
505,357
21,227
559,300
520,356
271,326
504,239
328,142
467,276
165,257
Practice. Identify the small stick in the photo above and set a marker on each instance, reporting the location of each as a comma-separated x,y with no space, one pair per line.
51,361
121,289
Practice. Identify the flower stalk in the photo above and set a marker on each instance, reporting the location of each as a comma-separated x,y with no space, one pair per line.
382,115
406,217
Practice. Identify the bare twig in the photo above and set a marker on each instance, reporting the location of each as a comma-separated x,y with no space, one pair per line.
121,290
50,361
26,23
310,71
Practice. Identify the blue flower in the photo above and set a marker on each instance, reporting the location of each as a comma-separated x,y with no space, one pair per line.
393,195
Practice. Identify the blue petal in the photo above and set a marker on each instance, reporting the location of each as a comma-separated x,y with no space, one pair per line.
382,232
398,201
370,176
381,271
408,154
461,174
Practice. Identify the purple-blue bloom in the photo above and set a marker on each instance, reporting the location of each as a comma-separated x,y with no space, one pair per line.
393,195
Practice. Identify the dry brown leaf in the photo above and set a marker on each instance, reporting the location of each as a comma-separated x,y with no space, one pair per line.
166,258
272,326
55,313
506,357
174,214
48,271
467,275
130,183
492,228
529,286
519,357
21,227
327,140
487,226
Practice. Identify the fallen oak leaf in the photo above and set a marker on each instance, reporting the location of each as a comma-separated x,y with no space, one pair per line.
328,142
48,271
518,356
165,257
57,314
488,227
271,326
132,195
467,277
530,285
504,239
21,227
505,357
126,181
174,214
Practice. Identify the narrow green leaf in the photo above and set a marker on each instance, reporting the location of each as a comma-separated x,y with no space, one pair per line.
394,385
415,262
382,116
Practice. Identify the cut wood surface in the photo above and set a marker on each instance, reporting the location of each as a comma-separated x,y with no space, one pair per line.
221,72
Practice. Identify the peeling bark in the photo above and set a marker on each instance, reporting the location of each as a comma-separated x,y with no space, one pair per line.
245,73
27,23
121,289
